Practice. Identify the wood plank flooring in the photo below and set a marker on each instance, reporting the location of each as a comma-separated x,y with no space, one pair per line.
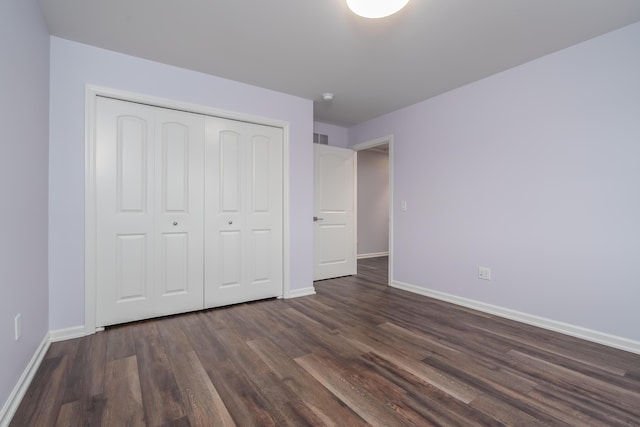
357,353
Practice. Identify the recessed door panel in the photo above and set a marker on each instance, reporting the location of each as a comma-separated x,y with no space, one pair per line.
230,258
336,173
131,263
175,263
333,247
261,259
131,163
229,167
175,151
261,163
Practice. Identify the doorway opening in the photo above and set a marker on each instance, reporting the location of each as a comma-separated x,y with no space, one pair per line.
375,204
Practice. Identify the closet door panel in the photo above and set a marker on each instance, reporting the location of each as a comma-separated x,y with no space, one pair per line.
243,187
224,204
264,218
179,211
125,220
149,191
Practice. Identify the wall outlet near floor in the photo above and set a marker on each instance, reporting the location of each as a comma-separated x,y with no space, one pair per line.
18,326
484,273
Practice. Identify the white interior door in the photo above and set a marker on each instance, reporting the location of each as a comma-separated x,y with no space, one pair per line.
149,184
243,212
334,212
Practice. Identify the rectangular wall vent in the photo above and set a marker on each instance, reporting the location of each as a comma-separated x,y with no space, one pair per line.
319,138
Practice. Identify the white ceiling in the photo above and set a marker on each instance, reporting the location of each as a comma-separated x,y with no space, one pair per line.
307,47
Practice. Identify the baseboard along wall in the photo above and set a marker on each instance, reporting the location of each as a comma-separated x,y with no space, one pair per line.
11,405
303,292
372,255
552,325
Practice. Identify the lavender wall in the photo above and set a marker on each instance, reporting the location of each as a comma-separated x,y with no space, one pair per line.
338,135
373,202
534,172
73,65
24,120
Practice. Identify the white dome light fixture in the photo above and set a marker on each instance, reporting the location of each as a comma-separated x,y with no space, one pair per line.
376,8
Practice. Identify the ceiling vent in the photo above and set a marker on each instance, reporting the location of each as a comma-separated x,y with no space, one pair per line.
319,138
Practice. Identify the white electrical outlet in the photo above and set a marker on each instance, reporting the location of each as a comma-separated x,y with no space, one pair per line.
18,326
484,273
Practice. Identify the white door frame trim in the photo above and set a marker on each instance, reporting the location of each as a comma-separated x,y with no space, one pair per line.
90,260
376,143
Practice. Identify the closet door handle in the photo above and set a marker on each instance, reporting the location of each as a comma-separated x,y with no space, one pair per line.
230,222
175,223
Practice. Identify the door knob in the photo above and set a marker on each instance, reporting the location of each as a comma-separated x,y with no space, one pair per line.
175,223
316,219
230,222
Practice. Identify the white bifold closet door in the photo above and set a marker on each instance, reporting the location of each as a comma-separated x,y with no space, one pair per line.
149,164
156,252
243,212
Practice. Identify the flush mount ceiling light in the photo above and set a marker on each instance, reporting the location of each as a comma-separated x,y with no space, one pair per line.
376,8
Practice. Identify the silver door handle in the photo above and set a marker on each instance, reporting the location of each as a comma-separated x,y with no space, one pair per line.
316,219
175,223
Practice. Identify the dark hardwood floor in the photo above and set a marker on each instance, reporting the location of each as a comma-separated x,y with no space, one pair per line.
357,353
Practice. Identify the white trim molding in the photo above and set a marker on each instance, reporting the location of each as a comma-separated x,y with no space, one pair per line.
375,143
67,334
541,322
373,255
13,401
302,292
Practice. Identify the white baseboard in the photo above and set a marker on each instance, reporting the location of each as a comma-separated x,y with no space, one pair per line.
67,334
553,325
11,405
303,292
372,255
